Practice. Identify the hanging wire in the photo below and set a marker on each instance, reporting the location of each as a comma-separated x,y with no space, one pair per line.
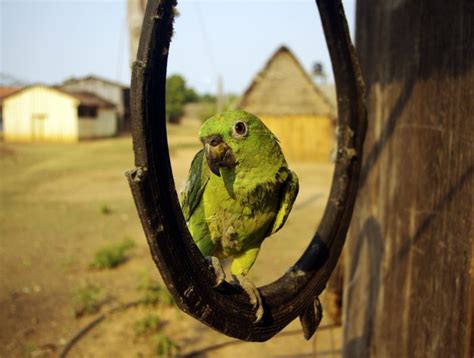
206,39
7,79
121,49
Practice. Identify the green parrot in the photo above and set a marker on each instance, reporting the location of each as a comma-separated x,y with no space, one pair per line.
238,192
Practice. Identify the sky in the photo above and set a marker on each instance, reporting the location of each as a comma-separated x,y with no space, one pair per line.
48,41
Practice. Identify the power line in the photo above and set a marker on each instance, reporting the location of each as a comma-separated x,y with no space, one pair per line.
10,80
206,39
121,43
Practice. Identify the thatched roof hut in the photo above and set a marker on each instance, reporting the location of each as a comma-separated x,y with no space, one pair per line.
283,87
285,97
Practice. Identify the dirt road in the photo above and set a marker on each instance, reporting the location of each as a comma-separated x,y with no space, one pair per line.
60,203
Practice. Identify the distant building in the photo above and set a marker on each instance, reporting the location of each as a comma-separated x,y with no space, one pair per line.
5,91
329,91
42,113
285,97
112,91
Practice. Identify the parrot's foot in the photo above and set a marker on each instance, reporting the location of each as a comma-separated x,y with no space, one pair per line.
216,266
252,290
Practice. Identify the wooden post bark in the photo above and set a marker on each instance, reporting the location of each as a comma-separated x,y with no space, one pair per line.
408,289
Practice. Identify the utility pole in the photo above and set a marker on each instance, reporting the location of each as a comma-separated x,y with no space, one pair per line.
135,14
220,94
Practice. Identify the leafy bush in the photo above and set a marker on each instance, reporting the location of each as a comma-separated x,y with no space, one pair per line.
147,325
190,95
175,97
105,209
164,346
208,105
154,293
87,300
206,110
112,255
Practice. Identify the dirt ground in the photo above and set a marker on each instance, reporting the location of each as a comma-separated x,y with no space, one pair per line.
60,203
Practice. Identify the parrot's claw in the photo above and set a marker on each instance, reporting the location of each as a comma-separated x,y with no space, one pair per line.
216,266
252,290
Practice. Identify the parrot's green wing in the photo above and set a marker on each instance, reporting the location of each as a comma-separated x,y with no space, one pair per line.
197,179
288,194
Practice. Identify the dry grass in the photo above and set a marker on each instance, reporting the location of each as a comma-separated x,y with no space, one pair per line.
51,225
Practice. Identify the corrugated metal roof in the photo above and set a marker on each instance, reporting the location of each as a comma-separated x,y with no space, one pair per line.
95,78
85,98
88,98
6,91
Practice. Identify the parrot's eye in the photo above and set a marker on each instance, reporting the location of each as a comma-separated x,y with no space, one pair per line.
240,129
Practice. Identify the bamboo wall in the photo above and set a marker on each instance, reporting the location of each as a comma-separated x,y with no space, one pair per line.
303,138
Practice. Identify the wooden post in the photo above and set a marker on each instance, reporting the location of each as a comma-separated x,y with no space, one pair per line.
407,281
135,13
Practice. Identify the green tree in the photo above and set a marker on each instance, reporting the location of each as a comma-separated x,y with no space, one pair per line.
190,95
208,98
175,97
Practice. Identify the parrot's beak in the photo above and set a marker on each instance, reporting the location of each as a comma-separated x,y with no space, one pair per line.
218,154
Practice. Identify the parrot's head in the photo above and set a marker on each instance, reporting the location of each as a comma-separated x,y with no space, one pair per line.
240,140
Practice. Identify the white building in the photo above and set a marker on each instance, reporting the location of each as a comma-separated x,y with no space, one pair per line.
42,113
112,91
4,92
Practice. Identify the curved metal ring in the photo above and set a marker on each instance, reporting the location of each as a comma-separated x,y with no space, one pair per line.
184,270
